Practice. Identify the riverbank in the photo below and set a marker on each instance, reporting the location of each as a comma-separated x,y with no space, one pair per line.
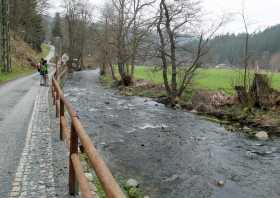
215,100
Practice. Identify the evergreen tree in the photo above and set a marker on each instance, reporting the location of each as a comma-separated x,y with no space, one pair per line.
26,21
5,60
229,48
56,31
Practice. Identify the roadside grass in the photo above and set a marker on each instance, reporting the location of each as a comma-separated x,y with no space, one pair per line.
17,72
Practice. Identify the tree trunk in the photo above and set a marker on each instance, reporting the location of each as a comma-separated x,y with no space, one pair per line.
102,69
242,95
162,53
172,54
112,72
245,83
261,90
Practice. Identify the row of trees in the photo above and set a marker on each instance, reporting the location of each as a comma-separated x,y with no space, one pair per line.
169,32
128,32
22,18
26,20
73,31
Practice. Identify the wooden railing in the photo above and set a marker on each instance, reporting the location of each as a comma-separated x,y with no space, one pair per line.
75,135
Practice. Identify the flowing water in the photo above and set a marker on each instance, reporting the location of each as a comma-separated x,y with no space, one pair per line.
173,154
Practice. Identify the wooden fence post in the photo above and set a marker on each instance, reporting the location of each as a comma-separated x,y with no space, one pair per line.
61,117
73,150
54,92
57,103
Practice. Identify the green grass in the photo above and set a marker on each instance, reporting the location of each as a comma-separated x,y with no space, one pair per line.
206,79
148,73
216,79
17,72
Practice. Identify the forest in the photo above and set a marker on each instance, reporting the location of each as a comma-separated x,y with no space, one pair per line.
264,47
20,20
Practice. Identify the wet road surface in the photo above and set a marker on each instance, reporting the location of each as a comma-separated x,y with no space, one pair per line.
174,154
16,104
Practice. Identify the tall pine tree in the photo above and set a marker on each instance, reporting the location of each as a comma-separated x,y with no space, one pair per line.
56,31
5,60
26,20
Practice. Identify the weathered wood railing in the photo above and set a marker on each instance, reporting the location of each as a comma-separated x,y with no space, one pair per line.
73,136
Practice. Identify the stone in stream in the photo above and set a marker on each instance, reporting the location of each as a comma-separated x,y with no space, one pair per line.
262,135
193,111
220,183
178,107
132,183
246,128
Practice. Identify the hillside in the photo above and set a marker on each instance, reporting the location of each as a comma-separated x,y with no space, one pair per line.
20,53
263,47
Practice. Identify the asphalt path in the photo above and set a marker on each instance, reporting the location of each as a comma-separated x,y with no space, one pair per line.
17,99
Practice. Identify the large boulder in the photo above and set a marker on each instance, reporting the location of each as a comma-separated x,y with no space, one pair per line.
262,135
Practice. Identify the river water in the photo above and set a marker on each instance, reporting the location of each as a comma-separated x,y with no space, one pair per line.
173,154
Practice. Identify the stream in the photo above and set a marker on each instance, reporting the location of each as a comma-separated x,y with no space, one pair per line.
172,153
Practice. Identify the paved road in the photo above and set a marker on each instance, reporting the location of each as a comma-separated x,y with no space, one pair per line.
16,104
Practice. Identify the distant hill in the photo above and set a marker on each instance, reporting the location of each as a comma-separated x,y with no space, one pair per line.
229,48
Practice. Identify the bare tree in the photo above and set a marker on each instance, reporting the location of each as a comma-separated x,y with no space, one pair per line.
78,19
180,46
105,39
130,27
43,6
246,48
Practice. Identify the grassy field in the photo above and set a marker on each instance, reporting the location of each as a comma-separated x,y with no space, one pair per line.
207,79
23,70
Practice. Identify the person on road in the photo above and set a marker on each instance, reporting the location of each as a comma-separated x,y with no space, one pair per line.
41,71
45,73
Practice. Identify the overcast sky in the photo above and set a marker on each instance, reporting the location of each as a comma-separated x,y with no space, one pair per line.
260,13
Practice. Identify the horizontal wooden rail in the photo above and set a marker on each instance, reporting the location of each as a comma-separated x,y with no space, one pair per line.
73,137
